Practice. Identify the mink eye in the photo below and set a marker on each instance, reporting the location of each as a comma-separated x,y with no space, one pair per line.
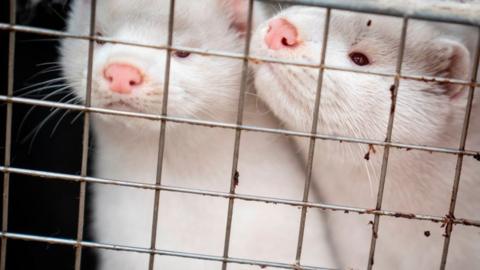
359,59
99,42
181,54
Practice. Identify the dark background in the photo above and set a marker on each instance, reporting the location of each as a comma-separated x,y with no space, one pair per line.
40,206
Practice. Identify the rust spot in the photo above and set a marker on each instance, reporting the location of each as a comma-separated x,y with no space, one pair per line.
371,149
256,61
408,149
447,224
392,97
403,215
465,222
426,233
373,229
427,79
449,218
236,178
346,211
369,22
263,266
477,156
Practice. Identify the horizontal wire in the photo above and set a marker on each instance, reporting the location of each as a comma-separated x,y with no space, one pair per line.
440,11
88,244
227,195
239,56
213,124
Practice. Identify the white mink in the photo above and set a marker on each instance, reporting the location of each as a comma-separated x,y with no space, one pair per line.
195,157
358,105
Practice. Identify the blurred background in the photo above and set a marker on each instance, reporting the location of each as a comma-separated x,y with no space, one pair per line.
40,206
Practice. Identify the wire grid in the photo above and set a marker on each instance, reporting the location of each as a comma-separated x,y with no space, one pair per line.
368,6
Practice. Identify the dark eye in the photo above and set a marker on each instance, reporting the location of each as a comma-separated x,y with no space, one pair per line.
359,59
181,54
99,42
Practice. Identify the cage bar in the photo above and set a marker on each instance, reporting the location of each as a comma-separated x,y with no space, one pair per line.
458,168
238,131
69,242
311,147
349,209
161,140
441,11
52,104
8,136
386,152
85,141
54,33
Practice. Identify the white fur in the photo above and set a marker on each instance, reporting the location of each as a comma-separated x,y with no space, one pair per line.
357,105
195,157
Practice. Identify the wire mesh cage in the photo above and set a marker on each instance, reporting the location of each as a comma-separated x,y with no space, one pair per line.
441,12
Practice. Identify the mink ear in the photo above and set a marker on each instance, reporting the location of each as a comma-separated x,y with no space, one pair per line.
449,59
237,10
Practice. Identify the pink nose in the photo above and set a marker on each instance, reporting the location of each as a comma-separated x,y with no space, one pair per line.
122,78
281,34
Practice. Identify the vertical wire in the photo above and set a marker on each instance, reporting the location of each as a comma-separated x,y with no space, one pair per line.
311,147
161,144
388,139
86,140
236,150
8,136
458,168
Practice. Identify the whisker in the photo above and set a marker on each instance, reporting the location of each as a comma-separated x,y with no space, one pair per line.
76,117
58,122
62,117
45,71
361,150
33,107
39,40
56,63
40,84
35,131
49,87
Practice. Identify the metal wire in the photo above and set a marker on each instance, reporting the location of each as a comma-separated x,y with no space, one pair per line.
407,147
435,12
85,141
440,11
161,140
238,131
253,198
61,241
8,136
458,169
311,147
255,59
388,138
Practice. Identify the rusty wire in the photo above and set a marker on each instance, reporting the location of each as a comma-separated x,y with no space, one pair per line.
83,179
